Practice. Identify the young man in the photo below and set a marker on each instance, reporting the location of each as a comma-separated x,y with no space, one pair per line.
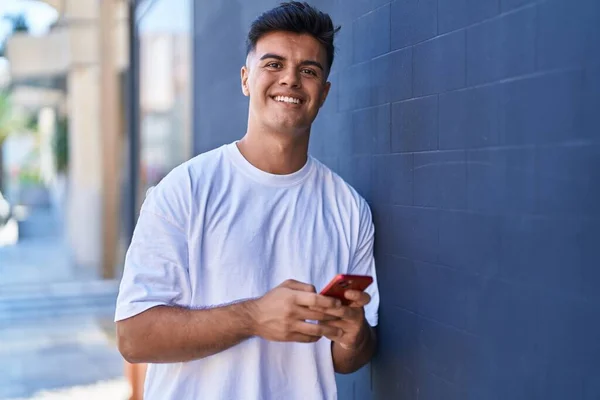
218,292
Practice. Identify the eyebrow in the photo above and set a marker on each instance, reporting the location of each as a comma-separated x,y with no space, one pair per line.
281,58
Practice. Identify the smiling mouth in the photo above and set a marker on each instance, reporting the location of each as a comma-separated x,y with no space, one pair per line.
287,100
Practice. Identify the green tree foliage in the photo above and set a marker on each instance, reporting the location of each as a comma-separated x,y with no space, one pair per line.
60,144
10,122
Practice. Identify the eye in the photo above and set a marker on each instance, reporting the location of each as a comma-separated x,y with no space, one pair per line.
309,72
274,65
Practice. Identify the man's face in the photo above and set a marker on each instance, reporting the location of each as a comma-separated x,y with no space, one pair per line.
286,79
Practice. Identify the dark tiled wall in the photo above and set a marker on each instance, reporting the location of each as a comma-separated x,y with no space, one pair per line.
473,129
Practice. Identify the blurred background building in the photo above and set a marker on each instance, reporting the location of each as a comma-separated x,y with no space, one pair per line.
75,81
95,108
70,80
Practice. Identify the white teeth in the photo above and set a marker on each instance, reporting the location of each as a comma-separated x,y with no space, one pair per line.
286,99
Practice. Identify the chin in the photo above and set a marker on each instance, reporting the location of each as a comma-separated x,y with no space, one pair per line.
290,131
289,127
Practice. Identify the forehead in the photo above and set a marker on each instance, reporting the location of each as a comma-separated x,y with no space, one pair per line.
292,46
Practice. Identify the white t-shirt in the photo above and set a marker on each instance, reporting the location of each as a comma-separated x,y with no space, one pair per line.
217,230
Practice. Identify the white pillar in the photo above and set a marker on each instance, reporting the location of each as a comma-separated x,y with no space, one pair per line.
85,169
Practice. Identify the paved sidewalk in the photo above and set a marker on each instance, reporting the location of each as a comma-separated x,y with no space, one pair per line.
55,353
35,260
56,330
41,255
116,389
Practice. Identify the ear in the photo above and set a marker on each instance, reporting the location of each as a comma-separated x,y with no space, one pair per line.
244,75
325,93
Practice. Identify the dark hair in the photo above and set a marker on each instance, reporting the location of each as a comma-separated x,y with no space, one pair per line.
297,17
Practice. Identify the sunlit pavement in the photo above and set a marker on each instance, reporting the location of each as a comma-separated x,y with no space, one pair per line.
107,390
56,330
53,343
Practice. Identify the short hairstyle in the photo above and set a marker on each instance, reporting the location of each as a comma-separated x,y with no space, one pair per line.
297,17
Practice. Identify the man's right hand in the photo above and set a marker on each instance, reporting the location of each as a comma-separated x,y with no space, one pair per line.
280,315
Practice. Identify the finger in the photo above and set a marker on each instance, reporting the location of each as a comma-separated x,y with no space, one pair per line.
325,316
306,313
358,298
317,300
336,337
307,328
333,338
298,337
340,324
341,312
297,285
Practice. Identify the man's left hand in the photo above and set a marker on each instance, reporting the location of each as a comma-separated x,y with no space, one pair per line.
354,330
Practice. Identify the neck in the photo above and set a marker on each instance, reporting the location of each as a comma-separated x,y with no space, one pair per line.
275,153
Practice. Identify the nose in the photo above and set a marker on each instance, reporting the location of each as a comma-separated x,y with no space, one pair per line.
291,78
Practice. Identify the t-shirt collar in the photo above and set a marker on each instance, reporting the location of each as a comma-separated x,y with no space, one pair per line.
265,177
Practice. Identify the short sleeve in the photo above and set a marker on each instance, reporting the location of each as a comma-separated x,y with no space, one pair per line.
363,262
156,270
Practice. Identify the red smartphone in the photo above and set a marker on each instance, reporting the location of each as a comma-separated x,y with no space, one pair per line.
338,286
